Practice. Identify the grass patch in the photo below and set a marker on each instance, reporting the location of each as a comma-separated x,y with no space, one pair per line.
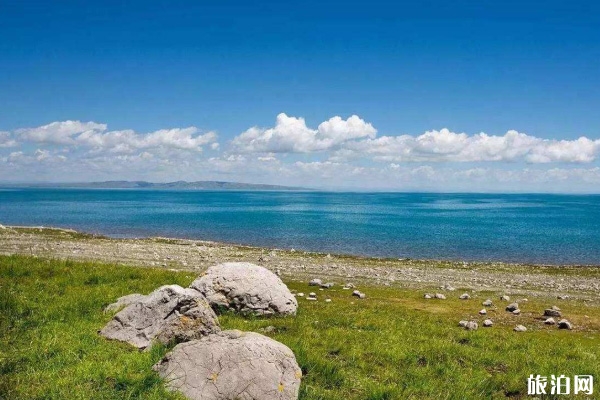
392,345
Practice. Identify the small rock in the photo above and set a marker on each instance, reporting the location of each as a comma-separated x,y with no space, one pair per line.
520,328
564,324
327,300
427,296
516,312
504,298
327,285
487,323
555,308
487,303
448,287
349,286
464,296
440,296
362,296
552,313
268,329
463,323
315,282
300,294
312,294
471,326
563,297
483,312
512,307
356,293
550,321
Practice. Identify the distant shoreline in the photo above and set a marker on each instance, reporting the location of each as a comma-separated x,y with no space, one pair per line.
81,234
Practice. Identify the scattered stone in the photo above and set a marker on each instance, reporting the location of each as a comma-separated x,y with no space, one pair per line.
563,297
552,313
440,296
268,329
471,326
311,298
555,308
488,322
300,294
327,285
312,294
504,298
550,321
516,312
170,313
124,301
464,296
447,287
520,328
483,312
246,288
427,296
564,324
487,303
512,307
349,286
327,300
463,323
358,294
232,365
315,282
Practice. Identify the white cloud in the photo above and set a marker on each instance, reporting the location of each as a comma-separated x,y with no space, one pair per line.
95,136
291,135
6,140
59,132
447,146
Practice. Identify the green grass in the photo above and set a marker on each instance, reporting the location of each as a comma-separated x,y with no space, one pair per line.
393,345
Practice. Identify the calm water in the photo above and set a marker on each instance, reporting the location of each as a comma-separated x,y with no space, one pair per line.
522,228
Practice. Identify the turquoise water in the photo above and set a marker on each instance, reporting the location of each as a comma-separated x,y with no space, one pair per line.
535,228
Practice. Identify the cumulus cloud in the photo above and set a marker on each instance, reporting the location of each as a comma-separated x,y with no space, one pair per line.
291,135
95,136
60,132
6,140
447,146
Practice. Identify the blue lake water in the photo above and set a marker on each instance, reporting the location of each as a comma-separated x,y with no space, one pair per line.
534,228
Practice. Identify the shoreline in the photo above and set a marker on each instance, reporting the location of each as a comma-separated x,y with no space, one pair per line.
295,265
444,261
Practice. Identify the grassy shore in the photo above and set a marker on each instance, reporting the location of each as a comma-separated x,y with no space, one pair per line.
392,345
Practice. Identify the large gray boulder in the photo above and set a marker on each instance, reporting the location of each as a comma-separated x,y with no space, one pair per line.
124,301
170,313
246,288
232,365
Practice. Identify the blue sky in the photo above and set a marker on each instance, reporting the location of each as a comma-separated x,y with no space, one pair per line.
405,68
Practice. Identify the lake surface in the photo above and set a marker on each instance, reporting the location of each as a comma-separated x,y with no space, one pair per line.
533,228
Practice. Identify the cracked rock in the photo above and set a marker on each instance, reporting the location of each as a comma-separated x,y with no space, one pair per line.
170,313
124,301
232,365
246,288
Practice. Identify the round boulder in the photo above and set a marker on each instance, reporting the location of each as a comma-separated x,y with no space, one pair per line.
232,365
246,288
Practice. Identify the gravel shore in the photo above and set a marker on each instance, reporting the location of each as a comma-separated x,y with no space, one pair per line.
580,282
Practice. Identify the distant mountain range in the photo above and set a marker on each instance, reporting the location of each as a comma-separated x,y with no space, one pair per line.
198,185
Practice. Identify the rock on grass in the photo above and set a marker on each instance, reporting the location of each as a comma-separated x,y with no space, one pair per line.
232,365
246,288
170,313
